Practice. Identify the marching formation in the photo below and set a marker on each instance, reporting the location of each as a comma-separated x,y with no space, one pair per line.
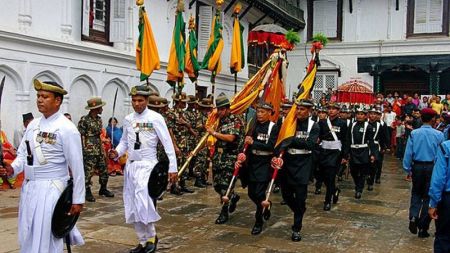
260,137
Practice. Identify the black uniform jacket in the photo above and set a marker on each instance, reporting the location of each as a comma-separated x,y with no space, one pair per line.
328,157
297,168
258,166
380,136
361,155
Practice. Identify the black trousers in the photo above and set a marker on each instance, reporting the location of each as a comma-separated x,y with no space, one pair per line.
257,193
379,167
372,171
442,239
421,177
328,175
359,172
295,197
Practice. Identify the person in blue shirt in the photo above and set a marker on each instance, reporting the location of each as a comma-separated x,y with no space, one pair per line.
112,123
439,193
419,157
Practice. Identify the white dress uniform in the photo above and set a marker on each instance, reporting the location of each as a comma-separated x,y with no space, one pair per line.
56,145
139,207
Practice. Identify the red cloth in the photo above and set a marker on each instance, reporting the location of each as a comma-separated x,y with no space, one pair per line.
352,97
260,37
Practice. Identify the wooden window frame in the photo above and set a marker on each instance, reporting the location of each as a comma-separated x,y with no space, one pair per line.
310,22
410,21
98,36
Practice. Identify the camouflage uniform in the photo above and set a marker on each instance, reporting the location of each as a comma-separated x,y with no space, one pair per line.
160,152
93,153
202,162
225,154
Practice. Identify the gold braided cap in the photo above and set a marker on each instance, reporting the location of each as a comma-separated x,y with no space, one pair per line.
38,85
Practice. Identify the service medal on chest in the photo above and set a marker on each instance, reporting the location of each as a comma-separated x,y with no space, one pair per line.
39,139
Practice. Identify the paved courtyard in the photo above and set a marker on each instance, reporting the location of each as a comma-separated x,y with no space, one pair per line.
376,223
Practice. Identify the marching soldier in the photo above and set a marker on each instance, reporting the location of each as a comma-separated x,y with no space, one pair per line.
322,114
420,153
298,165
344,114
90,127
54,145
191,114
228,135
261,142
333,148
382,143
202,162
142,130
180,128
362,149
158,104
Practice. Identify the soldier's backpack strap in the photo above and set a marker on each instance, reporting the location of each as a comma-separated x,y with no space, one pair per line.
351,132
366,124
331,130
376,131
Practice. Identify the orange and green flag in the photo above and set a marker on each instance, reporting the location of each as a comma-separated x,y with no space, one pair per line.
192,65
147,57
289,125
212,60
176,64
237,59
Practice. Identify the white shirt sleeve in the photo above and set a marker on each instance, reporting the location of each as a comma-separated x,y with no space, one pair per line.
166,140
21,158
74,157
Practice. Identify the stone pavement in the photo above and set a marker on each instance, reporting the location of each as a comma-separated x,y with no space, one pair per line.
376,223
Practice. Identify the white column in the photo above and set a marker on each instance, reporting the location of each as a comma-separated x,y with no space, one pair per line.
66,20
24,18
130,26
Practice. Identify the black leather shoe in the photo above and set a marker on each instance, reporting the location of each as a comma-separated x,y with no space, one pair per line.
413,225
233,202
423,234
336,195
150,247
175,190
198,183
257,228
340,178
370,187
185,189
296,237
318,191
138,249
377,181
89,197
327,206
105,193
358,195
283,202
223,217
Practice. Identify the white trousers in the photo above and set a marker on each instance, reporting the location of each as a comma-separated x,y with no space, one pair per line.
144,231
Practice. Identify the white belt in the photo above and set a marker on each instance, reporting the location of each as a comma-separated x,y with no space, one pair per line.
331,145
294,151
359,146
261,152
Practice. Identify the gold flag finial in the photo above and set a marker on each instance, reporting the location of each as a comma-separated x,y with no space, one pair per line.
191,22
139,2
237,8
180,6
219,3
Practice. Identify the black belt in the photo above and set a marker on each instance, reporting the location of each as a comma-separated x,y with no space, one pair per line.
422,163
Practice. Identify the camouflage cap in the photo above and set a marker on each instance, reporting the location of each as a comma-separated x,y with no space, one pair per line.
222,100
156,102
205,102
191,99
180,97
94,103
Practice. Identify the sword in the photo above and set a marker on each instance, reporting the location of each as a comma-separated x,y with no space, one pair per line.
112,118
2,84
